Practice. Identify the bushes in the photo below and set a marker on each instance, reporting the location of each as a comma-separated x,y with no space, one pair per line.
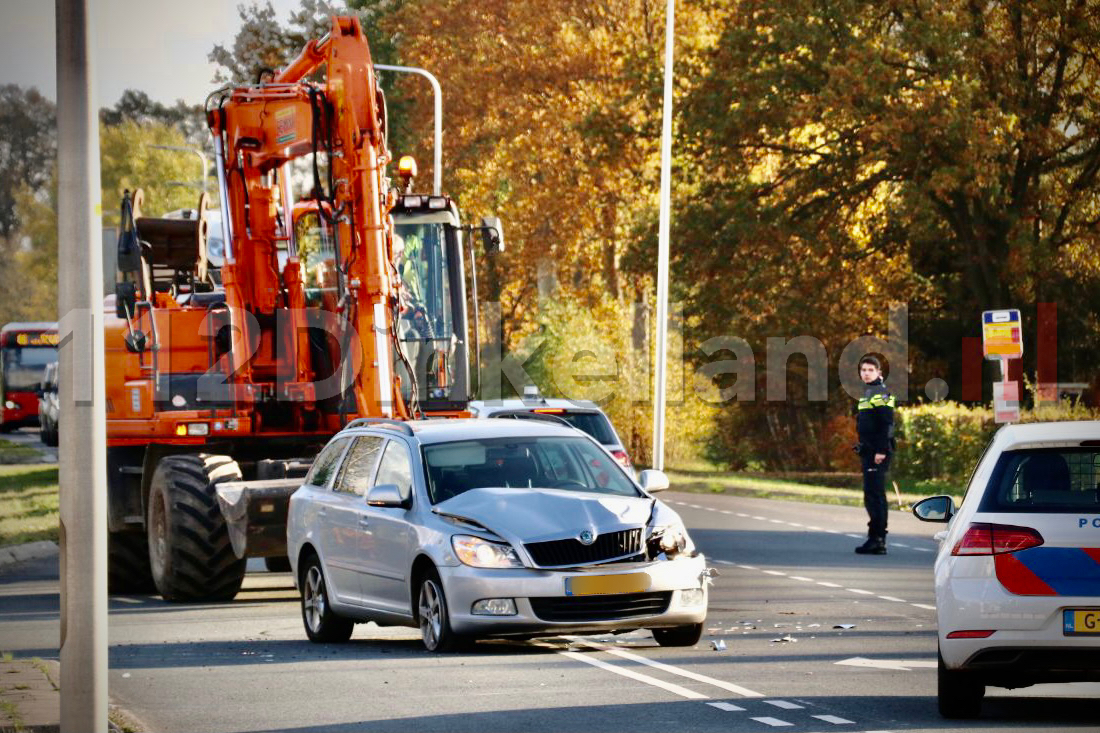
943,441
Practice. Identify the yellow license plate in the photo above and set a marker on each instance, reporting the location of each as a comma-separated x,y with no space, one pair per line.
1080,621
596,585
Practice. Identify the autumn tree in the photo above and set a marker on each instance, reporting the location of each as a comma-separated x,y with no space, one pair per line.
28,145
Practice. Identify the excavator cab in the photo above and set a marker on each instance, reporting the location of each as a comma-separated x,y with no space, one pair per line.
431,327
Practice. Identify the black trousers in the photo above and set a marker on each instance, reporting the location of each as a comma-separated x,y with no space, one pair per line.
874,494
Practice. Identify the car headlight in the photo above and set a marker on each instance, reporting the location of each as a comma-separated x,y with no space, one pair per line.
670,539
479,553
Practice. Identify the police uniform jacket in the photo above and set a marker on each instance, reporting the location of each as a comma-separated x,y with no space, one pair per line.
875,419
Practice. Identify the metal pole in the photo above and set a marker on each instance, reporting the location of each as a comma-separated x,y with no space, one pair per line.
196,151
662,249
82,455
437,93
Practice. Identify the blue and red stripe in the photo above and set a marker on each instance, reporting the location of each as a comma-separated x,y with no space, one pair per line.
1050,571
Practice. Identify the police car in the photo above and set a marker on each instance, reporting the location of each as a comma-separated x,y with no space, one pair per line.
1017,577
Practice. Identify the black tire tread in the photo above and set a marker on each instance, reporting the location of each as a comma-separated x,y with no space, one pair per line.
687,635
128,568
202,564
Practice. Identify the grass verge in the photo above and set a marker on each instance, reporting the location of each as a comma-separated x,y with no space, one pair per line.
18,453
28,503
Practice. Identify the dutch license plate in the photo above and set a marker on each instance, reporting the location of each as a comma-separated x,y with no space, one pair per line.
1076,621
595,585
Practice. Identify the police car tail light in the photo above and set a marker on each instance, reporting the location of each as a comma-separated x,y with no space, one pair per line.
996,539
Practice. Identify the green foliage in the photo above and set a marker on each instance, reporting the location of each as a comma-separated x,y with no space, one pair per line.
942,442
604,353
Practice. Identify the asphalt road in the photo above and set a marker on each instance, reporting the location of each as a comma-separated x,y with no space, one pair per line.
788,580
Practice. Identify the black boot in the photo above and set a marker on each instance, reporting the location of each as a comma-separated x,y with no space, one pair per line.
873,546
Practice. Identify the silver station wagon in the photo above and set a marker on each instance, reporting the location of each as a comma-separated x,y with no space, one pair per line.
474,528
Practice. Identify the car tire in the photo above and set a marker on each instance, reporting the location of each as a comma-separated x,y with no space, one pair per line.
958,693
189,550
323,625
688,635
128,569
434,616
277,564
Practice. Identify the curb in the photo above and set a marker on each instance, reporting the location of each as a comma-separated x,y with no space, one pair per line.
11,554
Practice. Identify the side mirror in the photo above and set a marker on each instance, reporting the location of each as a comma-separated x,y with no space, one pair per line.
653,480
492,233
386,495
935,509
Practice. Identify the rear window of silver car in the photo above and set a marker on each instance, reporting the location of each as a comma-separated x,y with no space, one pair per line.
1050,480
574,464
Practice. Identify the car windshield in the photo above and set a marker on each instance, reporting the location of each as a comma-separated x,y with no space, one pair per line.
23,366
1051,480
574,464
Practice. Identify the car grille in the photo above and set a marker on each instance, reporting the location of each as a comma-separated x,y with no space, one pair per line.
574,609
570,552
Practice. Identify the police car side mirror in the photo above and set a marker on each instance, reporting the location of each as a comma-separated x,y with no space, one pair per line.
935,509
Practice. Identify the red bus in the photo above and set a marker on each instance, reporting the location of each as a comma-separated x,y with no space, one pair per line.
25,350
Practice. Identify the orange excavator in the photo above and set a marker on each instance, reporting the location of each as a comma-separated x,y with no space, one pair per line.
229,369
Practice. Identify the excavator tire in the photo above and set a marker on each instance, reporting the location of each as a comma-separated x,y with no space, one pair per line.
189,549
128,564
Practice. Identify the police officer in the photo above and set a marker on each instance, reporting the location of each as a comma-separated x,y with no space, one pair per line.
875,427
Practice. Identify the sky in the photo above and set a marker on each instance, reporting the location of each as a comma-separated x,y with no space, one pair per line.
157,46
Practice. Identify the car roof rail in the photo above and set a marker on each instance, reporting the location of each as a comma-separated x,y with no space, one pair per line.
380,422
528,415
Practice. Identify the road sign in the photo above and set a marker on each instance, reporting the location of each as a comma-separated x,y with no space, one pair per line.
1002,335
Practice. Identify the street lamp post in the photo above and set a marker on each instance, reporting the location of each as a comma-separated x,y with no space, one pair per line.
196,151
437,96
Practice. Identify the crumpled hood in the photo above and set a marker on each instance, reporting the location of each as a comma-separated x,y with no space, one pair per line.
536,515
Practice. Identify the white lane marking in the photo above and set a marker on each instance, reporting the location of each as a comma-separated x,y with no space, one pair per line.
762,519
773,722
891,598
833,531
923,549
727,686
794,524
853,536
725,511
799,577
784,704
777,521
775,572
815,529
638,676
861,592
723,562
728,707
748,567
900,665
898,544
834,720
828,585
742,515
924,606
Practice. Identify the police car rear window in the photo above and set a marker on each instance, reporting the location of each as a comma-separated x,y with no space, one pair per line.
1048,481
592,423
